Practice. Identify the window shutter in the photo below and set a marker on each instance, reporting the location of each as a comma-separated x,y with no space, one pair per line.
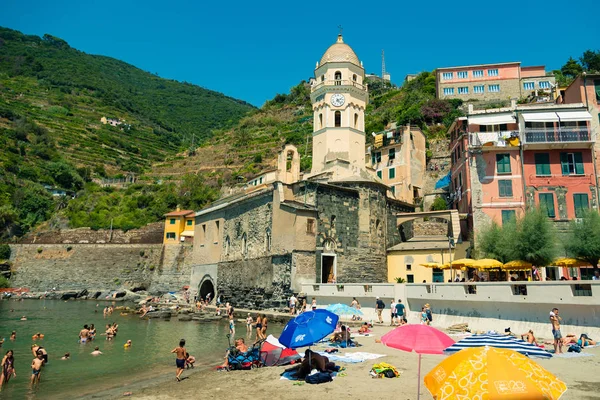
564,163
579,164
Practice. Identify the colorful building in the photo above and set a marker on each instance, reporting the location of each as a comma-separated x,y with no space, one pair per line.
505,160
398,159
179,226
493,82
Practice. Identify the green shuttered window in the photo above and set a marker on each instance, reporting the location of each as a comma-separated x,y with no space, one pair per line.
508,216
571,163
547,204
542,164
505,188
581,204
503,163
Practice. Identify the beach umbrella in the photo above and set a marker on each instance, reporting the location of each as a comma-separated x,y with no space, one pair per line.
517,265
500,342
308,328
569,262
455,267
422,339
487,263
491,373
432,265
462,262
343,309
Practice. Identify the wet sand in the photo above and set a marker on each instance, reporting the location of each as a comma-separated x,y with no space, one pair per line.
582,376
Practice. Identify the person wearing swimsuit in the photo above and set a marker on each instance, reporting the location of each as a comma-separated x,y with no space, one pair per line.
258,327
8,368
36,368
181,352
264,327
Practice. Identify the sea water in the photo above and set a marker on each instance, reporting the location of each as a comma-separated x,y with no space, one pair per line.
148,360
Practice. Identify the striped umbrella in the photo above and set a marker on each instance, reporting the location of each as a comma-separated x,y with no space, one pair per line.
499,341
343,309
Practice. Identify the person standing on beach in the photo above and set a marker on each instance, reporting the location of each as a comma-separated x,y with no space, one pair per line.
264,326
258,327
293,301
392,312
379,306
249,322
400,312
180,352
555,322
429,314
313,304
231,325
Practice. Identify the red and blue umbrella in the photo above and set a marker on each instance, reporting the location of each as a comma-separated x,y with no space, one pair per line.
308,328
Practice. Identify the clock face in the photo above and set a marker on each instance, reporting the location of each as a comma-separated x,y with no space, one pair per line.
337,100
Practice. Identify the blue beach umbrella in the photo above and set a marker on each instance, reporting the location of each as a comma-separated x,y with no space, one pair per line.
501,342
343,309
308,328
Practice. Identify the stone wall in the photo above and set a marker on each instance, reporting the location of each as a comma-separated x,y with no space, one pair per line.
174,270
256,283
149,234
84,266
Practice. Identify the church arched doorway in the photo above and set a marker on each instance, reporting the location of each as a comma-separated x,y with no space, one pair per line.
206,287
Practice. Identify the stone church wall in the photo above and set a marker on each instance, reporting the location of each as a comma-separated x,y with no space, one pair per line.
256,283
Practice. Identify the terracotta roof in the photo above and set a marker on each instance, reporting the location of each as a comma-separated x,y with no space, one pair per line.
180,213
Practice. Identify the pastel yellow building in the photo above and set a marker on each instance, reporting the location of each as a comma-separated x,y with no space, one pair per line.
179,226
405,259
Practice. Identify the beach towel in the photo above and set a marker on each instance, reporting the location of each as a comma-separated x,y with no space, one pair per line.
343,345
573,355
385,370
288,376
351,357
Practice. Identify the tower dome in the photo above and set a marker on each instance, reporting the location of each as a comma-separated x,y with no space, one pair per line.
340,52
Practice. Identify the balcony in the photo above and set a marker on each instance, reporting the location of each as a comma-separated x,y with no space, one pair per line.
339,82
491,139
560,135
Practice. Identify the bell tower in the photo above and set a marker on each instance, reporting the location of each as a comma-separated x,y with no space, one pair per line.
339,97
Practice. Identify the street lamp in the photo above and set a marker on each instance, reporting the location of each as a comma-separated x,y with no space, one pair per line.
450,245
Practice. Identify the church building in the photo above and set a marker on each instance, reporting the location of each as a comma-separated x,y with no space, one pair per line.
333,224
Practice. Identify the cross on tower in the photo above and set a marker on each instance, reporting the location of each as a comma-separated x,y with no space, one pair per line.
341,29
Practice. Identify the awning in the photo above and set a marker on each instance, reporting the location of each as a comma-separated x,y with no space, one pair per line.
540,117
487,119
187,233
566,116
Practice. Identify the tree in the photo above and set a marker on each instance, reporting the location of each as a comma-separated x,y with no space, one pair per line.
439,204
571,69
497,242
584,240
535,239
590,60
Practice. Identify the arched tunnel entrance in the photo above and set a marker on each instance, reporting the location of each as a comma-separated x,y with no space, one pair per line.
207,286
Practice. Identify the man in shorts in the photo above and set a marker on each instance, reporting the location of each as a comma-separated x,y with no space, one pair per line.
555,321
400,312
293,301
180,352
379,306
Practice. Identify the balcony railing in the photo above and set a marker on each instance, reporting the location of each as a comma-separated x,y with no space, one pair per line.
340,82
478,139
560,135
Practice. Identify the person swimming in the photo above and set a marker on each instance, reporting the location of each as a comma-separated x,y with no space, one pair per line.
127,344
96,351
66,356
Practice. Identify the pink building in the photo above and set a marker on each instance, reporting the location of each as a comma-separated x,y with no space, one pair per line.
494,82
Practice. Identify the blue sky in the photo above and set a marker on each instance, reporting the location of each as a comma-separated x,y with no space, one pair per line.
253,50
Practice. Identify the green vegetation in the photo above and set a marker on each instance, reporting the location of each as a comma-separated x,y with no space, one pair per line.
584,240
4,252
439,204
530,238
588,62
4,282
52,98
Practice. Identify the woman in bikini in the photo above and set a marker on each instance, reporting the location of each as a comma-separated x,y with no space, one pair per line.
8,368
258,327
264,327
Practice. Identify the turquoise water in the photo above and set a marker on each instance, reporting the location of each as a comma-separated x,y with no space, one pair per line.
148,360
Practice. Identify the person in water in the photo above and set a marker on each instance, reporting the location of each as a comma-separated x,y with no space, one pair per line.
8,368
84,334
66,356
36,368
13,335
96,351
35,349
127,344
180,353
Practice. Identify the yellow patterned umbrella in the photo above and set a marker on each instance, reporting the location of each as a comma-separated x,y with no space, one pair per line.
517,265
569,262
487,263
463,262
432,265
492,373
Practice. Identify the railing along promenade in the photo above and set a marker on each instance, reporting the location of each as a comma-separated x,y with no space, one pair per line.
484,305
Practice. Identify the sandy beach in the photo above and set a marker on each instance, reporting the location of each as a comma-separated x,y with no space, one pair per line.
581,374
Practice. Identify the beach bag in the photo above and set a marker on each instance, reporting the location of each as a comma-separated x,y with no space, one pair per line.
319,377
385,370
574,348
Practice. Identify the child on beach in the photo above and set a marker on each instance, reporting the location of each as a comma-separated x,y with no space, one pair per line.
249,322
231,325
180,353
36,368
189,361
423,316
